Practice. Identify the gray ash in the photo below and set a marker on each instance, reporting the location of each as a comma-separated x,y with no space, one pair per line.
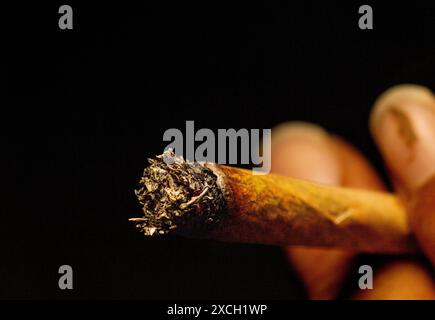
178,196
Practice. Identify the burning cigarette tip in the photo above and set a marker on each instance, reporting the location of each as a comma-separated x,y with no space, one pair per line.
178,196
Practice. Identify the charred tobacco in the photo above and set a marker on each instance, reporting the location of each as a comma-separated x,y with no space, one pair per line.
178,196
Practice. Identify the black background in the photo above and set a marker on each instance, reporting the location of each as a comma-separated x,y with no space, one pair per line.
85,108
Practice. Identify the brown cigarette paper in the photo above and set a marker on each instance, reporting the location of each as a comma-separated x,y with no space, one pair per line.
232,204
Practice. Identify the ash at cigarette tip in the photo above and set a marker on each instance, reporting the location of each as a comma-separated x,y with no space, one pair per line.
178,196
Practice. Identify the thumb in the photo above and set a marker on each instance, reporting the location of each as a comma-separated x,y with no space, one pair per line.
403,125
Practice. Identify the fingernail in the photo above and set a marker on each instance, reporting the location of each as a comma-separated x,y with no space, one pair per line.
303,150
403,124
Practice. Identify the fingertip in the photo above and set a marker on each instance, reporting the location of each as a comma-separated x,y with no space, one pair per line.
402,123
304,151
399,94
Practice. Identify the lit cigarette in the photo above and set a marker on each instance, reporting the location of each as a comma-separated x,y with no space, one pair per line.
230,204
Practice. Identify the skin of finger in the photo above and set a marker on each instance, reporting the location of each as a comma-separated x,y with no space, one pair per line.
403,125
423,217
326,281
303,151
357,172
400,280
402,122
323,270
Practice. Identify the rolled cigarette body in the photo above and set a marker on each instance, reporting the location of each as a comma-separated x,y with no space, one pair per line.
231,204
